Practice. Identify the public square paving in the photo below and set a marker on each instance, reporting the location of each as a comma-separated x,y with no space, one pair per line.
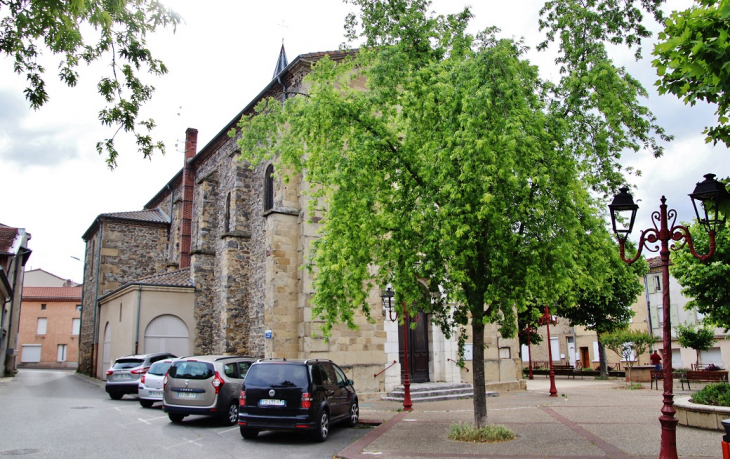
589,418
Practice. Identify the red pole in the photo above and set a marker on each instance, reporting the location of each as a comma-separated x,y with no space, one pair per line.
553,390
407,404
529,355
668,421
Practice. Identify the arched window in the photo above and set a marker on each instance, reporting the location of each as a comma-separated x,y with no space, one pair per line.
269,188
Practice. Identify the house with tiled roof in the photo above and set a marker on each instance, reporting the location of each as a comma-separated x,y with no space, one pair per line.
217,253
14,253
50,322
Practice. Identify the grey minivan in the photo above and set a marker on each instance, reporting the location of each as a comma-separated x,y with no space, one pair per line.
205,385
124,375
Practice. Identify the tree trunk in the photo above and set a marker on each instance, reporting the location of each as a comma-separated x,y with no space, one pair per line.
480,396
602,359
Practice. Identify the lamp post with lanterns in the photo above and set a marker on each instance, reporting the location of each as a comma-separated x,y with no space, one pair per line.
706,200
387,298
547,319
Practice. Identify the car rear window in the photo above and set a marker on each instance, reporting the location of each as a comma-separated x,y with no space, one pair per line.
276,374
191,370
159,368
124,364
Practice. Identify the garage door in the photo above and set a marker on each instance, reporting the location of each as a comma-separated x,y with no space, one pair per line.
31,353
166,333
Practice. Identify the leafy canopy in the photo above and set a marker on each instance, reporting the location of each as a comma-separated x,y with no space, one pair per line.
120,27
455,166
693,57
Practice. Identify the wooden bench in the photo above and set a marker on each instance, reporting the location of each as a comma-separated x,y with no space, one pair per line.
702,376
564,370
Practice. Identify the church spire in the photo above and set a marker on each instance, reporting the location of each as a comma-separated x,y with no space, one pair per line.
281,62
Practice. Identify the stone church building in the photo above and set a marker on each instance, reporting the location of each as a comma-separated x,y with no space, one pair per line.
210,265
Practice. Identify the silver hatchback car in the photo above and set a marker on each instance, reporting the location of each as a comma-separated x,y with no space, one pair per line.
124,375
150,386
205,385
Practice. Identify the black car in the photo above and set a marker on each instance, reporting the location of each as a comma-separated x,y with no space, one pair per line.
307,395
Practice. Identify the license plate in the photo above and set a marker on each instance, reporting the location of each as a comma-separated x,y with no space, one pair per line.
155,394
187,395
271,402
122,377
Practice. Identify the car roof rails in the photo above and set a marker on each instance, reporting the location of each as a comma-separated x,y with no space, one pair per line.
318,360
271,359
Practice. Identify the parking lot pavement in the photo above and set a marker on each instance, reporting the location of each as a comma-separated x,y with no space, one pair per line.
589,419
59,414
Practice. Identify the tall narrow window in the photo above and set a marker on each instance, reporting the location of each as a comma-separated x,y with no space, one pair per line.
61,356
269,188
227,222
41,328
75,326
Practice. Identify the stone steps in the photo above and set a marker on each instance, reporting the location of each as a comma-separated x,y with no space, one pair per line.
432,392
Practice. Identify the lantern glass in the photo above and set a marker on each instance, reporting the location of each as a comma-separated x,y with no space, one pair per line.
623,213
387,298
706,200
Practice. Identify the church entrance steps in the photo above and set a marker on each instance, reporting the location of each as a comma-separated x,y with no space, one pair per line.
432,392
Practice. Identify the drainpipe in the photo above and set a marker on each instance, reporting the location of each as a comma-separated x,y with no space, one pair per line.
648,306
139,308
96,300
16,265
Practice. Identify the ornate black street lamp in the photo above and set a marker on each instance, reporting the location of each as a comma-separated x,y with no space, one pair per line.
547,319
387,298
706,200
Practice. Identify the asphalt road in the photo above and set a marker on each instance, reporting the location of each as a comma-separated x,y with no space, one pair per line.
54,414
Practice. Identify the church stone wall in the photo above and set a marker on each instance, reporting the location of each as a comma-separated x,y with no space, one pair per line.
124,251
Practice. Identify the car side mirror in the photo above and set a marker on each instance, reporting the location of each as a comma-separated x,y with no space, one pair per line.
350,382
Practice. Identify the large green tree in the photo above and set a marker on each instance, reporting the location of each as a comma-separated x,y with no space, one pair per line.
457,165
604,304
693,60
84,31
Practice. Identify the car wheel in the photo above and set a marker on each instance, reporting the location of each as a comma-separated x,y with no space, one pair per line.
116,395
146,403
249,434
176,418
323,426
232,414
354,414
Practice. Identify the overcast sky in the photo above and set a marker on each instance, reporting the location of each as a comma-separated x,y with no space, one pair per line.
54,183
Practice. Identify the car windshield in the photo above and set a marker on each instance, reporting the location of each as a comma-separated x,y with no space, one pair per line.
191,370
277,375
125,364
159,368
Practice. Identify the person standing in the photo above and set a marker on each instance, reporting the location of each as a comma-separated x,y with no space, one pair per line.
656,360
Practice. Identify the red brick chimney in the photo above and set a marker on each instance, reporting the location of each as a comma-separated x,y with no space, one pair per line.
188,180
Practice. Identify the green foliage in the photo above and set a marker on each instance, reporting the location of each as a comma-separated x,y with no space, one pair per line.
119,29
492,433
717,394
697,338
706,283
458,167
628,342
692,60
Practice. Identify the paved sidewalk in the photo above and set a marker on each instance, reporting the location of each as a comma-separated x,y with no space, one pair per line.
589,419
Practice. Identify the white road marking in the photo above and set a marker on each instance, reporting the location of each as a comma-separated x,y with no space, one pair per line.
229,430
142,420
186,442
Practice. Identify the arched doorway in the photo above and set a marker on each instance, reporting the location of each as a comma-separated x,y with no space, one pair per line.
106,360
166,333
